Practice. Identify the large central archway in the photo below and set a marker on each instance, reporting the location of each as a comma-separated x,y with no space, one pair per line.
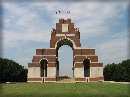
61,43
65,58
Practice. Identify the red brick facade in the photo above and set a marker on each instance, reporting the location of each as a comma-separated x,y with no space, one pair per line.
71,38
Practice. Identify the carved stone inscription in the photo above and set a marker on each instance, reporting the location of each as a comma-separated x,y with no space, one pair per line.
96,71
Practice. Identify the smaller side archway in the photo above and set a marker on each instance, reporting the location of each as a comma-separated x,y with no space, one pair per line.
43,67
86,64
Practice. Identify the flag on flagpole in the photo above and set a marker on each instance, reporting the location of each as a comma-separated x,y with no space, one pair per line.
64,12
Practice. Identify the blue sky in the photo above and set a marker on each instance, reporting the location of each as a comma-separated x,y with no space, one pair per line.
28,25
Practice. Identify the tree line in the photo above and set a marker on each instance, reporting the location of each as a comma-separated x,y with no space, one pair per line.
10,71
117,72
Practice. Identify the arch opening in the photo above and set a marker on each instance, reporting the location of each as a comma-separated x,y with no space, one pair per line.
65,44
65,57
86,64
43,67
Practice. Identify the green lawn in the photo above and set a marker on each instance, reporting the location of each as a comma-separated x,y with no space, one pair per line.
64,90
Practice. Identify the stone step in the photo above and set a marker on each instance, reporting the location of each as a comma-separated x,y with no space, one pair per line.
66,80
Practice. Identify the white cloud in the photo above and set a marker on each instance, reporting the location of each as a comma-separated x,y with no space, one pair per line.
12,38
114,49
28,26
7,21
113,45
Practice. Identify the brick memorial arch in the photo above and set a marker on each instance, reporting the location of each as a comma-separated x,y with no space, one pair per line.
45,64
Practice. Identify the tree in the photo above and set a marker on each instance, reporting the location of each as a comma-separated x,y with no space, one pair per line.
109,71
126,69
10,71
117,72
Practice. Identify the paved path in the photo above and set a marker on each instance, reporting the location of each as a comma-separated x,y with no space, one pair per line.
66,80
117,82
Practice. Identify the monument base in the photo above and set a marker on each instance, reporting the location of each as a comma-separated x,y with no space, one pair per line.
54,80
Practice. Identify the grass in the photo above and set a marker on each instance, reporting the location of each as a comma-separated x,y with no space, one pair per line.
64,90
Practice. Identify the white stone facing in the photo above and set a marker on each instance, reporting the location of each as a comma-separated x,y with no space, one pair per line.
96,71
34,72
70,34
34,81
51,71
78,72
65,27
65,34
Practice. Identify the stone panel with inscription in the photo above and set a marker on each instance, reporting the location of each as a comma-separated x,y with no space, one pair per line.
96,71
